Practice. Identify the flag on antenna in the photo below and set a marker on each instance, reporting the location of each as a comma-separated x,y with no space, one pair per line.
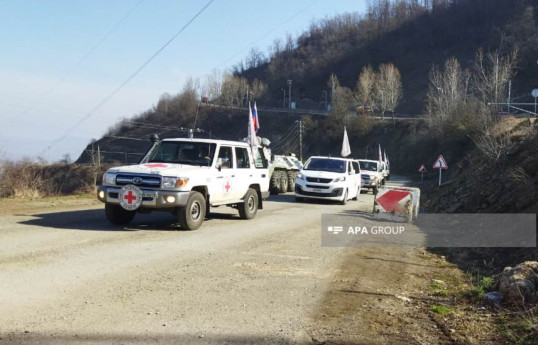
385,156
255,118
346,149
252,139
380,155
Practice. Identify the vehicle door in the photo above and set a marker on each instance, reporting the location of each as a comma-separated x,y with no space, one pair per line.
358,176
244,171
261,170
352,178
223,184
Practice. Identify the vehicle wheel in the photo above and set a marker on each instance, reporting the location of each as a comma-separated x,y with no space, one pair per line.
344,201
299,199
248,209
292,174
192,215
118,215
383,182
283,182
274,188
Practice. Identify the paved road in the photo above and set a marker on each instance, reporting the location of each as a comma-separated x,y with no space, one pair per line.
67,276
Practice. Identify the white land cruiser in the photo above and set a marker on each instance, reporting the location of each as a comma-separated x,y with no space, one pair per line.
329,178
186,177
372,176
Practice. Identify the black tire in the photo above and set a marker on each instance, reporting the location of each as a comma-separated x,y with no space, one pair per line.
248,209
118,215
292,174
299,199
274,187
192,215
344,201
283,182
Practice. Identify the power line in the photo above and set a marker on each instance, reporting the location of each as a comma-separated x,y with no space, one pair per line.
131,77
80,61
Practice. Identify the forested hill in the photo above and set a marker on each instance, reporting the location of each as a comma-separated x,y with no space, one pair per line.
413,35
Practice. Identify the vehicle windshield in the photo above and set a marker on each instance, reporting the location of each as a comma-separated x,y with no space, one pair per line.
369,166
326,164
183,152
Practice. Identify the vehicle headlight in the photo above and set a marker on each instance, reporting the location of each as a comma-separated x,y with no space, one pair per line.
109,178
338,179
374,178
300,176
174,182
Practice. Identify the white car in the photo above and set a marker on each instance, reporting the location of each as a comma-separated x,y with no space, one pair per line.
186,177
372,175
329,178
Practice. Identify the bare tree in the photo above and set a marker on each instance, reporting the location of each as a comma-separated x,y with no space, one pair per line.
448,89
492,71
212,86
96,162
255,58
388,89
257,89
365,89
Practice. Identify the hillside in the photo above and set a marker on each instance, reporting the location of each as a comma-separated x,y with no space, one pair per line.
412,35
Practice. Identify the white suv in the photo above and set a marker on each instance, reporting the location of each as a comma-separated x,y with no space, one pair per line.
186,177
372,175
329,178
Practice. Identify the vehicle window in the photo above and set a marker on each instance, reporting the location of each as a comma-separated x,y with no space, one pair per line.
224,159
356,167
369,166
241,158
326,164
261,160
183,152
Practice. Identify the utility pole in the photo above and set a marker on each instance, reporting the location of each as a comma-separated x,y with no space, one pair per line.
509,92
289,91
300,140
283,98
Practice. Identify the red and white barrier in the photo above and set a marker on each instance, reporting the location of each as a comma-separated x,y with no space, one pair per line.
403,201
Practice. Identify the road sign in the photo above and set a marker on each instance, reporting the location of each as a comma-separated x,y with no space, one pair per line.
534,93
440,163
422,170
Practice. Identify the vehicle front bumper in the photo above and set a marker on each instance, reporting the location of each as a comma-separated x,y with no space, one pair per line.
325,192
151,198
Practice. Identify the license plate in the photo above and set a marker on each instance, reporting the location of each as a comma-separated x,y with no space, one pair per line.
317,190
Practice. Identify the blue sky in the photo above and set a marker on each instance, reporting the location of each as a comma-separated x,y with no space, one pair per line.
46,87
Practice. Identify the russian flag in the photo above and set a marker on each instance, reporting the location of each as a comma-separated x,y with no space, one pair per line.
255,118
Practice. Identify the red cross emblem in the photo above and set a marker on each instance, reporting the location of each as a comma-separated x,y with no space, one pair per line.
158,165
130,197
227,186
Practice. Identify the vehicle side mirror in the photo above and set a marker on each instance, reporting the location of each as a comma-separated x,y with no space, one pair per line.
218,166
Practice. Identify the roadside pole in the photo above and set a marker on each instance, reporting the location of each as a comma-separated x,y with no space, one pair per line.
422,170
440,164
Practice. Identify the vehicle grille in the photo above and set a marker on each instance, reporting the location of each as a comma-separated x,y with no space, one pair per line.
318,180
139,180
317,187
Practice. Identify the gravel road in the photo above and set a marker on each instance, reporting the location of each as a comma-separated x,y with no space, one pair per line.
68,276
